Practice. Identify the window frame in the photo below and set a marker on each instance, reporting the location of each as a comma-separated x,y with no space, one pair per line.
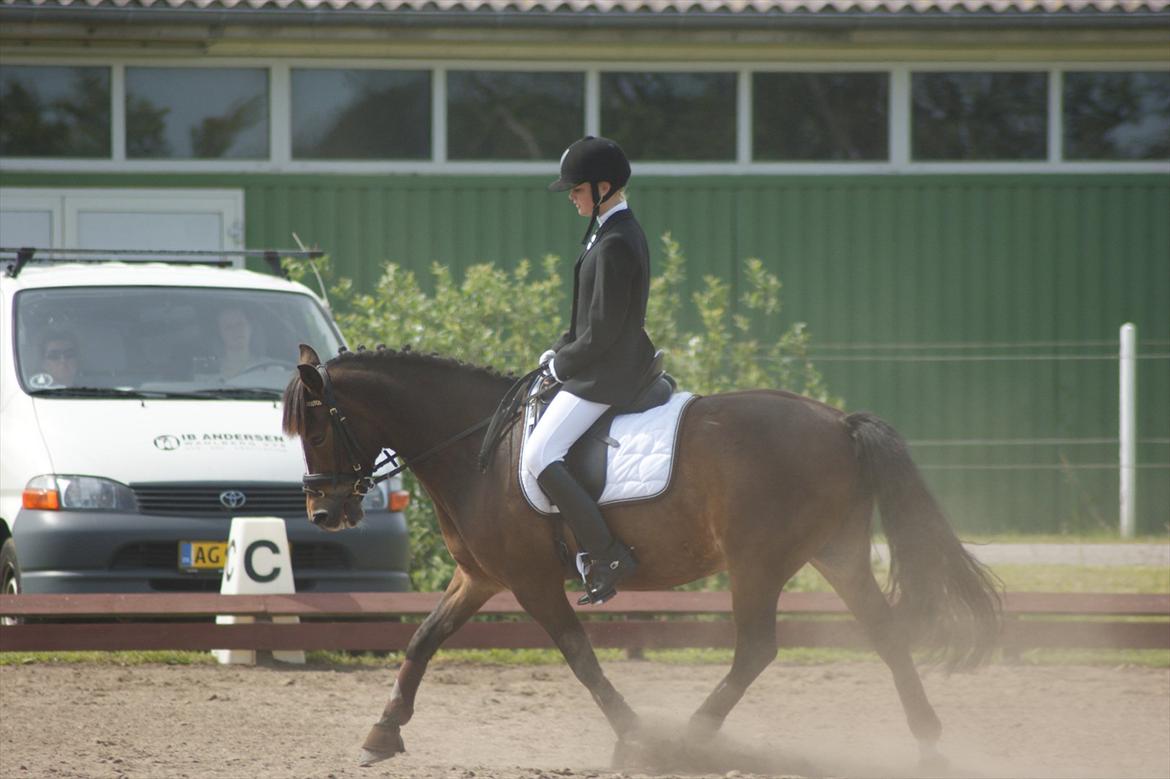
285,109
119,145
487,68
735,73
70,63
280,140
986,68
1056,109
848,68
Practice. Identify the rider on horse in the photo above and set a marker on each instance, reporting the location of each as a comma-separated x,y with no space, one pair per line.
603,356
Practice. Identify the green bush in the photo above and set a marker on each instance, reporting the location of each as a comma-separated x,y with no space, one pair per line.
503,319
742,347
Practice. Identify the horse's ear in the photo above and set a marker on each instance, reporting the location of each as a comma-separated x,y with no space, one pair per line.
311,378
307,367
309,356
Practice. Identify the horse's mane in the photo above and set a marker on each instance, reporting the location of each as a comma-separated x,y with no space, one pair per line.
293,421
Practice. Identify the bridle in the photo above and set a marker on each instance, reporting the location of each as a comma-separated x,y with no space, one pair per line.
343,439
344,442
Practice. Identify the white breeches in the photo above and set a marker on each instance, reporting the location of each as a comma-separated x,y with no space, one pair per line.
565,420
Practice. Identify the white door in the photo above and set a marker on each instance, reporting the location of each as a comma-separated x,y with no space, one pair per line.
30,217
148,219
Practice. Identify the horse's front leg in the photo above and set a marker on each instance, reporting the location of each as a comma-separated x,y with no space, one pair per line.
462,598
550,608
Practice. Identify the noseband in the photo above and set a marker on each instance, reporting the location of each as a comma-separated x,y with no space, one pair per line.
362,477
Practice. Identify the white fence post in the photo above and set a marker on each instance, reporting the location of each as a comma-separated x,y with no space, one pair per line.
1127,433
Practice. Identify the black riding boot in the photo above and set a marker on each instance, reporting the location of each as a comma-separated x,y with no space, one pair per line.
611,560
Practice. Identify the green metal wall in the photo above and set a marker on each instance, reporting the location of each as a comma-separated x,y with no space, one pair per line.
1025,278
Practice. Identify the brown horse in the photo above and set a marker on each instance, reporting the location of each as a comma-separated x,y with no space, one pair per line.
765,482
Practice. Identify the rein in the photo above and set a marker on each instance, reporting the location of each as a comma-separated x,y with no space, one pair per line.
363,477
510,407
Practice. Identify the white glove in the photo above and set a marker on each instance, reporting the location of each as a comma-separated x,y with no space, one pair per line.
546,358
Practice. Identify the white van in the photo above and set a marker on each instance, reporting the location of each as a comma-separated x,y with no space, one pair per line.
140,411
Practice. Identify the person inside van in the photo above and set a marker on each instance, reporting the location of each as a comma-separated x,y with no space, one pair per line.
235,332
59,358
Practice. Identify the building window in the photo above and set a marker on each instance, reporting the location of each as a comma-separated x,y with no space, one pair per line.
820,116
361,114
49,111
508,115
979,116
1117,116
197,113
670,116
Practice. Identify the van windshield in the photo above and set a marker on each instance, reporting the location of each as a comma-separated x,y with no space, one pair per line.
163,341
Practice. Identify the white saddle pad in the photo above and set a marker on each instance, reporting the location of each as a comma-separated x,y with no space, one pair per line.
639,467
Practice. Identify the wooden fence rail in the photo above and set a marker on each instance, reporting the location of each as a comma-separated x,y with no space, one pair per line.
635,621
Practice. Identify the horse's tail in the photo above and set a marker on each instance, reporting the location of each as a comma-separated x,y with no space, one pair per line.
941,593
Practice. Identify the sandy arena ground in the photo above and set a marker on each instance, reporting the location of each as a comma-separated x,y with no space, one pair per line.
496,722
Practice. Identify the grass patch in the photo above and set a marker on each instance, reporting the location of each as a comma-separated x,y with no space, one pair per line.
1036,578
160,656
1143,658
787,656
1104,536
452,656
1085,578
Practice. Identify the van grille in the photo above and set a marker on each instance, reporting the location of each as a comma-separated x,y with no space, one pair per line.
203,500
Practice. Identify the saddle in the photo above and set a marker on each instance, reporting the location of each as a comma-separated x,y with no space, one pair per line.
587,458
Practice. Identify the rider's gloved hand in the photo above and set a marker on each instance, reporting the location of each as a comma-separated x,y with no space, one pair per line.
547,362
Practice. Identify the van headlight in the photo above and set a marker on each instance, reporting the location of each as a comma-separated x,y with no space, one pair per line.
387,496
377,499
54,492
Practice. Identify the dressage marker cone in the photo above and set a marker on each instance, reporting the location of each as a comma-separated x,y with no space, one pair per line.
258,563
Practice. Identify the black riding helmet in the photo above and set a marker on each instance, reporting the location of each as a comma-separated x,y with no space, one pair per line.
593,160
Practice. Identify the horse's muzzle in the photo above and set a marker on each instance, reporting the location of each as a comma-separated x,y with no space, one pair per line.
332,514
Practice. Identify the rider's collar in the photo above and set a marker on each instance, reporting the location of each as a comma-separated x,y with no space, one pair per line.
621,206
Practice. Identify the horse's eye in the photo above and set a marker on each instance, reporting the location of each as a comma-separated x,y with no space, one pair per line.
316,440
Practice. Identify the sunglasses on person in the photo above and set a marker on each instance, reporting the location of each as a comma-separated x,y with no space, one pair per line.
55,355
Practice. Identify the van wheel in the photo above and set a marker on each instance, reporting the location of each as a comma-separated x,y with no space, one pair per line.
9,576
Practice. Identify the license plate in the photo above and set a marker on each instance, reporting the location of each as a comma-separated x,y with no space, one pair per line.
202,555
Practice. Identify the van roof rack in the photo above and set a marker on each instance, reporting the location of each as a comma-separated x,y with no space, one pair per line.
19,257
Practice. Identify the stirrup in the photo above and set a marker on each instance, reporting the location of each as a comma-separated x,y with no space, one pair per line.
595,597
601,588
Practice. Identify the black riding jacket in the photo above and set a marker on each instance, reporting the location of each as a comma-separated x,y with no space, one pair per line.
605,352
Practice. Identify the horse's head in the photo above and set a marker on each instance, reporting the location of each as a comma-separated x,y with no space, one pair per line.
337,455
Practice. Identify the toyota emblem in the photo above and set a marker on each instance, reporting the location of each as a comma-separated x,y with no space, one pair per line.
232,499
167,443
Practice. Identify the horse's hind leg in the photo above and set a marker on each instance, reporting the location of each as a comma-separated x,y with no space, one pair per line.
753,600
845,563
462,598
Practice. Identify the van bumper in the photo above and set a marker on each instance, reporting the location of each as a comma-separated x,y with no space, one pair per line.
89,551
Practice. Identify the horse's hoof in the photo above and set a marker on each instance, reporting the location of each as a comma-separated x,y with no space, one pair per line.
621,754
702,727
368,757
383,742
931,762
629,754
